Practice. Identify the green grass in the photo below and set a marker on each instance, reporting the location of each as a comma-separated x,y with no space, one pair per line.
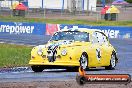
14,55
63,21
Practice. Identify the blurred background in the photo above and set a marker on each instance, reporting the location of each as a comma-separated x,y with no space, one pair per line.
64,9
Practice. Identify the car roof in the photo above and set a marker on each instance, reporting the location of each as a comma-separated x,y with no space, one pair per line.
81,30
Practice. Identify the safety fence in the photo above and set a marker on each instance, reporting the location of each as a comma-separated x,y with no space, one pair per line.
60,9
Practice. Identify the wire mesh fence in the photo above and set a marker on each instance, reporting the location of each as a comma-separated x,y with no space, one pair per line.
74,11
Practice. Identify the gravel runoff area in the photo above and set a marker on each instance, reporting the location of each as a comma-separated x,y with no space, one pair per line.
60,84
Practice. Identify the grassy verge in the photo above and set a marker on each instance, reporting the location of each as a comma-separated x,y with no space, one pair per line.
60,21
14,55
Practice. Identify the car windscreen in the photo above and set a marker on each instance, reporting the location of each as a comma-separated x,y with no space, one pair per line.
71,35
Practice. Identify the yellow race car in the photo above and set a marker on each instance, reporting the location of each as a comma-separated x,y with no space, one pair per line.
73,48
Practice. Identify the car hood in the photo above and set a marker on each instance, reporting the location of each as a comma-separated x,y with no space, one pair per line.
63,43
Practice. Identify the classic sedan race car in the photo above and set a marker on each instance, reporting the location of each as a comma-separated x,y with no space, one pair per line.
74,48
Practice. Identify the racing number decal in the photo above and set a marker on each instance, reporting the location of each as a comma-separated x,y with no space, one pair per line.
98,54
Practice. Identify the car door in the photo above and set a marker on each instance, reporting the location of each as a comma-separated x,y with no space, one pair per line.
94,51
105,49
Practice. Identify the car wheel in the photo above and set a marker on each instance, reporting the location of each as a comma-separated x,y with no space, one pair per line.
112,63
37,68
84,61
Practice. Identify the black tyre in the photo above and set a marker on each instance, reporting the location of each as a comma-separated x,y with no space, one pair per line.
84,61
80,80
72,69
112,62
37,68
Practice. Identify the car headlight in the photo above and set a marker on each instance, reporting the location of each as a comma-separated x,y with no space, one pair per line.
40,52
64,52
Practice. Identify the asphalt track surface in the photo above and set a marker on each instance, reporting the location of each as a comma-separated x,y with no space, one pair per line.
25,74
